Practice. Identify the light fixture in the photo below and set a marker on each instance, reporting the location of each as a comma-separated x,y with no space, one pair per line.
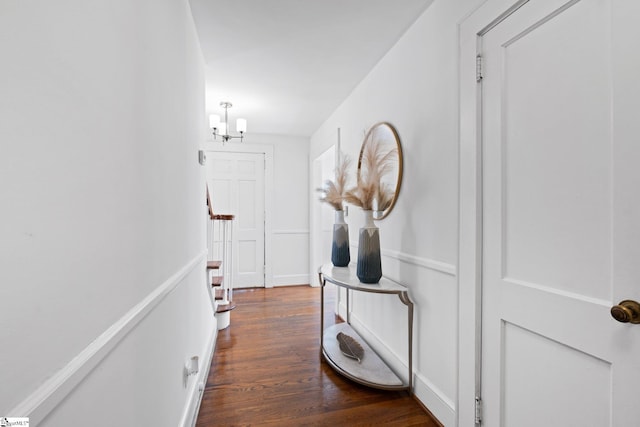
222,128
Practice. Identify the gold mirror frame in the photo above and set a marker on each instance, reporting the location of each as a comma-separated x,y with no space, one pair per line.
388,135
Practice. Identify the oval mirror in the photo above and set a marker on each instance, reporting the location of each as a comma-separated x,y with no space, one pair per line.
381,150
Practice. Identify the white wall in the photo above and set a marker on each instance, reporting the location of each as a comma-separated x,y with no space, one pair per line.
290,210
102,219
286,199
415,87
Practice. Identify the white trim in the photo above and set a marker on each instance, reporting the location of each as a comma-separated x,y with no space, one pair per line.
386,353
441,406
55,389
292,279
470,206
428,263
342,306
433,398
267,150
291,231
190,415
316,254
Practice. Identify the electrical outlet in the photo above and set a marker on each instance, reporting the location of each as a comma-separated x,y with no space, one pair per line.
190,368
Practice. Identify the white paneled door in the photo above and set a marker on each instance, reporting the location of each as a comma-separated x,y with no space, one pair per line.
324,169
561,207
236,183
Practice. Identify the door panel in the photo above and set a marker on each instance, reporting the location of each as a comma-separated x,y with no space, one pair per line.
236,182
552,354
558,155
525,369
247,204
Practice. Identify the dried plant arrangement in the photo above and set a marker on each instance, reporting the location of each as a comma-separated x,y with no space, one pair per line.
333,193
384,197
370,193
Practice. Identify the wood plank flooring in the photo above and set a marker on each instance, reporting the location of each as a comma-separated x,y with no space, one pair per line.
267,370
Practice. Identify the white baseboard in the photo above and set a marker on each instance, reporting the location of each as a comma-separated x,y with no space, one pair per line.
342,309
56,388
390,356
432,398
190,415
424,390
291,279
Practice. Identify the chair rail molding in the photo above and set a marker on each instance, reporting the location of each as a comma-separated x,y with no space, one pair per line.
55,389
292,231
428,263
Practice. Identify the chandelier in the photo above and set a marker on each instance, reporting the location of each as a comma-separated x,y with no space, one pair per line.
222,128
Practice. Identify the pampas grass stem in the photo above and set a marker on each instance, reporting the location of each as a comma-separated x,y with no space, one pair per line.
334,192
370,192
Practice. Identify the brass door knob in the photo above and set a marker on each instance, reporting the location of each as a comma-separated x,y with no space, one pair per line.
626,311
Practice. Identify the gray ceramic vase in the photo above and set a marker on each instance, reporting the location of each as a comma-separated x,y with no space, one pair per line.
340,256
369,268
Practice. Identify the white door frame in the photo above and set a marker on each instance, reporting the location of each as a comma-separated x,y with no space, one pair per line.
267,150
316,220
471,29
314,236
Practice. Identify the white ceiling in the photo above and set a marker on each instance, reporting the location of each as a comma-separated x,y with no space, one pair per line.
286,65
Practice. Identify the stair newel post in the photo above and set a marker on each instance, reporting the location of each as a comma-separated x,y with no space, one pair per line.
222,282
230,259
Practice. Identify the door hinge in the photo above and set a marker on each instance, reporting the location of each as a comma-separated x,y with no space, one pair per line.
478,410
478,68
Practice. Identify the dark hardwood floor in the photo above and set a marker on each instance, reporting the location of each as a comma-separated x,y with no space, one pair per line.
267,370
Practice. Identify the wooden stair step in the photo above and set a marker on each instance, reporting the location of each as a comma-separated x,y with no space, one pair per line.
216,281
219,294
223,308
213,265
223,217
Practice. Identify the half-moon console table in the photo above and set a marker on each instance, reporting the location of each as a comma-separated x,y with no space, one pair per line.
372,371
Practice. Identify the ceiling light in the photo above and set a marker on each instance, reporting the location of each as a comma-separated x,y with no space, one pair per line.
222,128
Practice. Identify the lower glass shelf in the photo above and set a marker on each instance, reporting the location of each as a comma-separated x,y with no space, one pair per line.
372,371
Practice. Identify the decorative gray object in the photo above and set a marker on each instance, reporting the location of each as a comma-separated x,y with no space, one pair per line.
340,255
350,347
369,268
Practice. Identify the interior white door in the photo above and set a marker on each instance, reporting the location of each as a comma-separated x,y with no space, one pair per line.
323,216
561,241
236,183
